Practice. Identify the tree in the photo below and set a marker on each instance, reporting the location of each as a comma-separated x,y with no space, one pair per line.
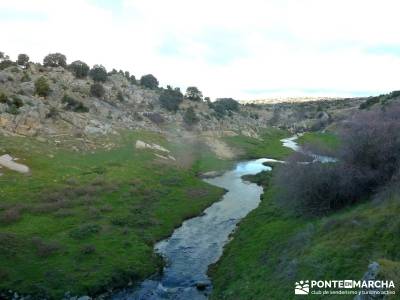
97,90
190,117
193,94
224,105
23,60
149,81
3,56
171,98
98,73
55,60
42,87
79,69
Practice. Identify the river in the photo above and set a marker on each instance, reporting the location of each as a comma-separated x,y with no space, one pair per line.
199,242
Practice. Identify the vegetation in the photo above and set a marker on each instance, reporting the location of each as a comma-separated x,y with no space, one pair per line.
193,94
271,250
74,105
42,87
281,249
23,60
98,73
97,90
79,69
6,63
171,98
269,146
368,159
87,221
382,99
189,117
55,60
222,106
149,81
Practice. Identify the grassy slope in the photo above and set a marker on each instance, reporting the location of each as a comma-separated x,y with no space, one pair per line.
86,220
324,140
270,146
271,250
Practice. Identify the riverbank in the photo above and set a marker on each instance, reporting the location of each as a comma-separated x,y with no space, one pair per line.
271,249
84,222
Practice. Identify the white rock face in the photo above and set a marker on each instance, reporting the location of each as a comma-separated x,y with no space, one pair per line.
8,162
142,145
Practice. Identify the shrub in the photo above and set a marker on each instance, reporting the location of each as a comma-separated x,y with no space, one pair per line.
84,231
3,98
149,81
6,64
171,98
55,60
193,94
79,69
368,159
42,87
98,73
155,118
43,248
120,96
97,90
25,77
10,215
88,249
74,105
190,117
23,60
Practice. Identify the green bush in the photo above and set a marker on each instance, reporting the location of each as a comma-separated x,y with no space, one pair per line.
149,81
25,77
6,64
193,94
42,87
3,98
98,73
171,98
84,231
74,105
79,69
97,90
55,60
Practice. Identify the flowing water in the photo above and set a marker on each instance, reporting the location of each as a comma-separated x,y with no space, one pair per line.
199,242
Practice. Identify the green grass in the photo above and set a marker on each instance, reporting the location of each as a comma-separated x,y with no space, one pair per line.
271,249
268,146
325,141
84,221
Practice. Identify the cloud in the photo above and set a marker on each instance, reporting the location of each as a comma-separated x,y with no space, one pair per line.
256,48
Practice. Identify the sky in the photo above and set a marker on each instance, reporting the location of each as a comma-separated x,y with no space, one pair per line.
251,49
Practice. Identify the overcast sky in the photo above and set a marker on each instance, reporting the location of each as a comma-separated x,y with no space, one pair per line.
242,49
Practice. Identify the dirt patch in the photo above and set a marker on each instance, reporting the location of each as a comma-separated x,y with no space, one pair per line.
220,148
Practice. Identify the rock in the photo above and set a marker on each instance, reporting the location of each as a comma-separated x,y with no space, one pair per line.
211,174
202,285
371,274
84,298
7,162
140,145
